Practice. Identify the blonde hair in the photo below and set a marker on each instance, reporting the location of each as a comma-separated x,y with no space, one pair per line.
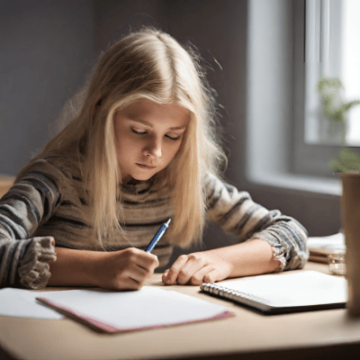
146,64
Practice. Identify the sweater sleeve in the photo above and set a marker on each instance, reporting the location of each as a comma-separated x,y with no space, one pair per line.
236,213
29,203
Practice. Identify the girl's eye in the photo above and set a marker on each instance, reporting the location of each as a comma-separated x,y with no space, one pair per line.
173,138
138,132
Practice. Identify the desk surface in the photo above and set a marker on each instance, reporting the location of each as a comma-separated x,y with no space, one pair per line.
248,335
5,184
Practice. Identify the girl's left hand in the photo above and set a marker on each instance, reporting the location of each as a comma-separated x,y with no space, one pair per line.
197,268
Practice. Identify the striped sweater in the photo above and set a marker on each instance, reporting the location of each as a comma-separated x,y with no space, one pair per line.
49,201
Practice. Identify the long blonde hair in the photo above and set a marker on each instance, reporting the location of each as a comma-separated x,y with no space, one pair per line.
145,64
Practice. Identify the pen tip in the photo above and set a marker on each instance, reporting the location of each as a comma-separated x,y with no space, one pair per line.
168,222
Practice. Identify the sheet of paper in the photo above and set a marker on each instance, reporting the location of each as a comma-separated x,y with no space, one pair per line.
330,243
292,289
148,307
23,303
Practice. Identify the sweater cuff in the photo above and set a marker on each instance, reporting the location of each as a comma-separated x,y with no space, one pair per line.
34,270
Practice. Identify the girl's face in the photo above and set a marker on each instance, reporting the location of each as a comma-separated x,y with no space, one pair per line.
148,137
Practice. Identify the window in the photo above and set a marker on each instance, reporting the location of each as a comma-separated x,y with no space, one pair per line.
325,45
332,49
291,45
277,154
350,70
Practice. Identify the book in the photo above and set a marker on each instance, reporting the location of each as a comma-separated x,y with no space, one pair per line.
117,311
321,247
283,292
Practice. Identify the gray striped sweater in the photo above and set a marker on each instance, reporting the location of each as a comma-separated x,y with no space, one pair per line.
50,202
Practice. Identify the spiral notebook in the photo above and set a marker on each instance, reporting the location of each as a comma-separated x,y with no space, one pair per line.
285,292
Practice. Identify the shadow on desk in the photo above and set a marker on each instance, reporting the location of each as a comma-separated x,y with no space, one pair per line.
320,353
4,355
351,351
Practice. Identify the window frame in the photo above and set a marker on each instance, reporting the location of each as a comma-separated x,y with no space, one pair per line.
309,156
275,91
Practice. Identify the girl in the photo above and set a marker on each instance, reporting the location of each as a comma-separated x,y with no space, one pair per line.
140,149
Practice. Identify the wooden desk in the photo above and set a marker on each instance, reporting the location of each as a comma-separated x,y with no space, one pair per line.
5,184
325,334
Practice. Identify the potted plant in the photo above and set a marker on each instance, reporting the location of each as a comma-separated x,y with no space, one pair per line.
348,164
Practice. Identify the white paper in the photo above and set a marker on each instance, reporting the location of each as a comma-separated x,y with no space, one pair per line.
146,307
293,289
23,303
330,243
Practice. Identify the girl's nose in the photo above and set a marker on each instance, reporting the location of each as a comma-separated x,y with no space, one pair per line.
154,149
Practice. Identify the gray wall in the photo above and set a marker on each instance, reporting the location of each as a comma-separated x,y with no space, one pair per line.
47,47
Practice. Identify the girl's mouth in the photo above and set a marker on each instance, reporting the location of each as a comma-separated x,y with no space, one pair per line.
142,166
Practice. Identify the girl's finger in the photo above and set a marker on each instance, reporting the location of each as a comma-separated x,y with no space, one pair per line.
192,266
148,262
164,275
145,260
129,284
137,273
212,276
198,277
173,272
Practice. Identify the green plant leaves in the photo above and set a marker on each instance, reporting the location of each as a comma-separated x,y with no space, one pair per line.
334,109
348,162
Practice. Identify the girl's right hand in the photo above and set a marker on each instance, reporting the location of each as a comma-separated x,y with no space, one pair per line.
125,269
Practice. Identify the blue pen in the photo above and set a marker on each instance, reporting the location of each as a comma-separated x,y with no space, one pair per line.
159,234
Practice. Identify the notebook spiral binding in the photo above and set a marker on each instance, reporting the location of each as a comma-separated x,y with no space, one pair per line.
234,295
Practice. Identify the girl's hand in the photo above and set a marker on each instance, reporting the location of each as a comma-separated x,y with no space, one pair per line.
125,269
197,268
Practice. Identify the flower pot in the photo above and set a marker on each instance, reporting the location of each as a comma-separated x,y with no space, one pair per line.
350,214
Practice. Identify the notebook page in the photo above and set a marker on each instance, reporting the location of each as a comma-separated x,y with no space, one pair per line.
147,307
293,289
326,244
336,240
